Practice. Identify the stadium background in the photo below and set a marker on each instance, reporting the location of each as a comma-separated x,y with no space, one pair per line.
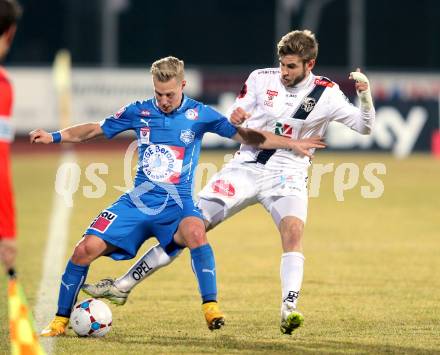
370,284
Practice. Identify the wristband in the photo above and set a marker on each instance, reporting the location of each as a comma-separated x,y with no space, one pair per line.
364,96
366,100
56,137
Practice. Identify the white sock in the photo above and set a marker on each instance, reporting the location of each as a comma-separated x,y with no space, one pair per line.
291,273
147,264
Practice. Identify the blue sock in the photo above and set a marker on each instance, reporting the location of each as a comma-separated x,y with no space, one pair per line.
203,264
172,248
71,282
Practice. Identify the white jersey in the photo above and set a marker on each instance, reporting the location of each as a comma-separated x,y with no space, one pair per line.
302,111
279,179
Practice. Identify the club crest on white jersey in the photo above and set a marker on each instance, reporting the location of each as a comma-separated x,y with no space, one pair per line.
308,104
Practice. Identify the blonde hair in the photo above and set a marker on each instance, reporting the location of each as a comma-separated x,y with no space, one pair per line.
168,68
301,43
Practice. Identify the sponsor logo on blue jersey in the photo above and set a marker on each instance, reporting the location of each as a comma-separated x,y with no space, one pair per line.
163,163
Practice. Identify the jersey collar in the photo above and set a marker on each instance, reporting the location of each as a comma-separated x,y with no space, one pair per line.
177,110
305,82
182,105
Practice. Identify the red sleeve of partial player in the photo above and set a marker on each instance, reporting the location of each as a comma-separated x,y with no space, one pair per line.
5,94
7,213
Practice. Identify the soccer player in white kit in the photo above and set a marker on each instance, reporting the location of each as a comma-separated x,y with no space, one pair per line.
290,101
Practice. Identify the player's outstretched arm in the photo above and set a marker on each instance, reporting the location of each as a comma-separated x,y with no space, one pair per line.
268,140
74,134
238,116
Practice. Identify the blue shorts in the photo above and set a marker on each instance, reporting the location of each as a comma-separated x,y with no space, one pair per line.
127,226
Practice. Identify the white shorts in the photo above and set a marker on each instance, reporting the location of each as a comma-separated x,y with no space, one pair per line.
240,184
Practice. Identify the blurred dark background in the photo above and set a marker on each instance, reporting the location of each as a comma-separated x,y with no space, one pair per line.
402,35
113,42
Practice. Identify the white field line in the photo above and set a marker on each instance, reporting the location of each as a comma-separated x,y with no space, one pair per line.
53,259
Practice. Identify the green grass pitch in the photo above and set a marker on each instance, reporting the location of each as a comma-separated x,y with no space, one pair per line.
371,281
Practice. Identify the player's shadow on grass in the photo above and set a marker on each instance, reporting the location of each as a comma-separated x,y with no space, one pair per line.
283,344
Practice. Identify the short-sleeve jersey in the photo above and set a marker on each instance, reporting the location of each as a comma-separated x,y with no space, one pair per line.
168,144
7,210
6,132
302,111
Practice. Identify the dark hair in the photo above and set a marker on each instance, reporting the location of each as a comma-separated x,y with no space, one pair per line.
10,12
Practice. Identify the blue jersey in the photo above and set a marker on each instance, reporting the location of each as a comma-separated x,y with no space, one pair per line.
168,144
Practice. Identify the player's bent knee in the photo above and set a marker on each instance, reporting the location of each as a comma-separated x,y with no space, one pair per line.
85,252
79,256
195,237
193,232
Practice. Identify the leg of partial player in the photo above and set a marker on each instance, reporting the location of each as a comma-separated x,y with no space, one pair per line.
192,230
291,272
8,252
117,291
88,249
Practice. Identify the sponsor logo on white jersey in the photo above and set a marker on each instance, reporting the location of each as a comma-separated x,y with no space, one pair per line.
324,82
270,95
223,187
283,129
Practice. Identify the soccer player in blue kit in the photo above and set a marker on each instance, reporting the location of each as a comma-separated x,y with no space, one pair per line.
169,130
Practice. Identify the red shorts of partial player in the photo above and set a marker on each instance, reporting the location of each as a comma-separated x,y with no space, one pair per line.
7,211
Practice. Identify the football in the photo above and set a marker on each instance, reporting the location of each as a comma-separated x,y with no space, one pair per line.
91,317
